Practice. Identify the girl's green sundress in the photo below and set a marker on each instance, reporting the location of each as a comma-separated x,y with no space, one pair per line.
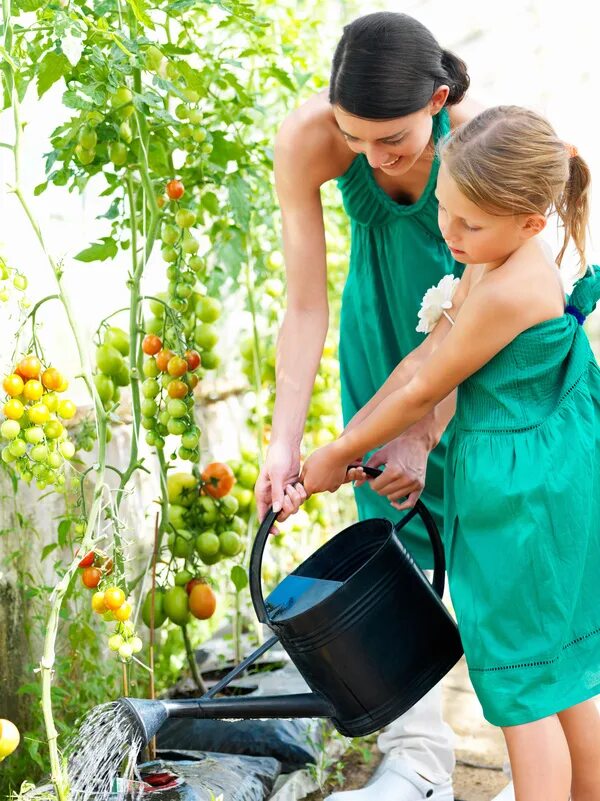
397,253
522,519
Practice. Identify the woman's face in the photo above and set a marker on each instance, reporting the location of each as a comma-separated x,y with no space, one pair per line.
392,146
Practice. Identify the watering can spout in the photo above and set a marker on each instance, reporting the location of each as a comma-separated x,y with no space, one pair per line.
149,716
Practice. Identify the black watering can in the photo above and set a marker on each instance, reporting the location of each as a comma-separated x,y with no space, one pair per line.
367,631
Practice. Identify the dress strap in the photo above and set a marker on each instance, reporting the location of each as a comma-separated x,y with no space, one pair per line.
585,295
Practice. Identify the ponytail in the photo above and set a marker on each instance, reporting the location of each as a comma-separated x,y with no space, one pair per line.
457,77
573,208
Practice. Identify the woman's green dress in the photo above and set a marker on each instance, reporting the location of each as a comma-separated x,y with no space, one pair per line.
397,253
522,519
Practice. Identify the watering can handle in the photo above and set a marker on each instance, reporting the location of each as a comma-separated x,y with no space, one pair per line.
260,541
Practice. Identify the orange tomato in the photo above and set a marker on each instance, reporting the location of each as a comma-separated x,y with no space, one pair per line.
177,366
192,358
218,479
151,344
177,389
52,379
91,577
29,367
162,359
13,385
202,601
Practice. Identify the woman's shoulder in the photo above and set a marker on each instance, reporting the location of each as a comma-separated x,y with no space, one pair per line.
310,141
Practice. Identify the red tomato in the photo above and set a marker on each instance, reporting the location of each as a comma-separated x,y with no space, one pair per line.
175,189
91,577
192,358
52,379
29,367
151,344
88,559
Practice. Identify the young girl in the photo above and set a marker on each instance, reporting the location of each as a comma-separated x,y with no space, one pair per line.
522,492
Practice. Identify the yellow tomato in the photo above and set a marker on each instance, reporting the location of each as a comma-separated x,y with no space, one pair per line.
66,409
13,385
39,414
123,612
13,409
33,390
9,738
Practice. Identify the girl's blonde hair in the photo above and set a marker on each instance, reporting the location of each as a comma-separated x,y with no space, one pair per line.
510,160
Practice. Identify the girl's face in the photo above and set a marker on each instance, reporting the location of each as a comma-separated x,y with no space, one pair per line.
392,146
475,236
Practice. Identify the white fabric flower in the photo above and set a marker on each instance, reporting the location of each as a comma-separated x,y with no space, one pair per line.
435,303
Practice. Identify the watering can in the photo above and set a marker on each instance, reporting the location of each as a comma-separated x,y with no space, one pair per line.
365,628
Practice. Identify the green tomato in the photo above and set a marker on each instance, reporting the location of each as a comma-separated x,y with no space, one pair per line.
122,97
183,290
208,309
177,515
88,138
7,456
186,454
208,509
118,338
185,218
195,116
84,156
247,475
190,245
169,254
152,58
125,132
118,152
159,613
149,424
239,525
157,308
199,135
154,326
207,544
53,429
176,605
243,496
180,544
115,642
182,488
164,417
150,388
190,438
230,543
54,460
149,407
18,448
205,337
109,360
210,360
191,95
122,377
39,453
182,577
229,506
169,234
176,426
177,408
104,386
197,264
10,429
151,368
66,449
181,111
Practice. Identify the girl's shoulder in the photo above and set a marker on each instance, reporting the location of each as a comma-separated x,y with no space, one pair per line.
464,111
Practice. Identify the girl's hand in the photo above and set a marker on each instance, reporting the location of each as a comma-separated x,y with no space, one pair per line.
324,470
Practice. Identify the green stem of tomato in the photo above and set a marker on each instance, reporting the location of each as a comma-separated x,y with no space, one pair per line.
192,660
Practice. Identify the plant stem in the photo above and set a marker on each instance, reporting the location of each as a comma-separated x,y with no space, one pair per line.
192,660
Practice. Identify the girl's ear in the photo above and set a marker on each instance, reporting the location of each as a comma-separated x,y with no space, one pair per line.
438,99
533,225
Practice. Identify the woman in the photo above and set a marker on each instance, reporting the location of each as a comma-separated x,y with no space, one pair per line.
393,93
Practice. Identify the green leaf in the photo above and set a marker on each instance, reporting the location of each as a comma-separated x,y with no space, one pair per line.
52,67
63,531
99,251
211,203
239,197
139,9
283,78
239,577
47,549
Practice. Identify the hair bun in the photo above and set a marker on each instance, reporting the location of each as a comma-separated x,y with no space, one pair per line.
457,76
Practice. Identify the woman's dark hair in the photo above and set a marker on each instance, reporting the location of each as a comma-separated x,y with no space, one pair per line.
388,65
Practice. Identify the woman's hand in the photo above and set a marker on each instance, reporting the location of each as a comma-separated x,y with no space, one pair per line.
405,460
324,470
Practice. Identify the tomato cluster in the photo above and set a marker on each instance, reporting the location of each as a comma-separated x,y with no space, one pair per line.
111,603
38,444
189,596
167,407
112,368
116,136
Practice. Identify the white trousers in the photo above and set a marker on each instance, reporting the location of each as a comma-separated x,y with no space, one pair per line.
421,737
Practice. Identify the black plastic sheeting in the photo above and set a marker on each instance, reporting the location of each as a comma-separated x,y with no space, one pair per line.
196,776
292,742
